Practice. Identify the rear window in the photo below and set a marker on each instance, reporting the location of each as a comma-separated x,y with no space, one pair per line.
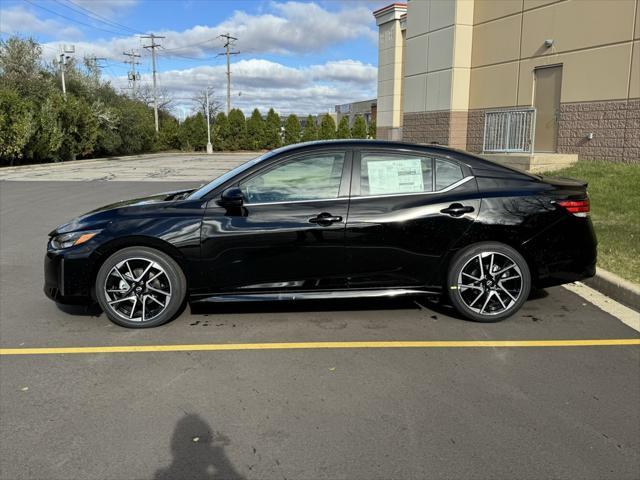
447,173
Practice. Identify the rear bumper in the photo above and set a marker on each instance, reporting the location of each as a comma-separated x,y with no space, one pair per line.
68,277
564,253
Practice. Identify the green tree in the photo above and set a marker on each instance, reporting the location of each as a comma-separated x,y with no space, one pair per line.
220,132
193,132
169,135
359,129
255,131
94,120
272,130
16,125
136,127
237,130
327,128
47,138
372,129
79,128
291,130
343,128
310,131
20,66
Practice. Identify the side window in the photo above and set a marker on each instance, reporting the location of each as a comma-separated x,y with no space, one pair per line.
447,173
383,174
314,177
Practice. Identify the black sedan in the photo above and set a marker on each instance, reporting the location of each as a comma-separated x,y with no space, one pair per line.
333,219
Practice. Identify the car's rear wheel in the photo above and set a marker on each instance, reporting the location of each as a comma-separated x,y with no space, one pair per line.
140,287
488,282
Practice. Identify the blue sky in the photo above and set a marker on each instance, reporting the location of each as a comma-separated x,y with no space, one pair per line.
297,56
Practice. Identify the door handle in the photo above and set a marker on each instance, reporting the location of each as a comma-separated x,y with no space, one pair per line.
457,210
324,219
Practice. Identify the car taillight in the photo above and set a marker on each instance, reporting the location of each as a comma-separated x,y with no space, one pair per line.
579,208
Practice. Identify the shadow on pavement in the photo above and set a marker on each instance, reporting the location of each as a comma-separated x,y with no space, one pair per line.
198,453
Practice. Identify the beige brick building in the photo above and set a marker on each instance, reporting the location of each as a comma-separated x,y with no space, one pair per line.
550,76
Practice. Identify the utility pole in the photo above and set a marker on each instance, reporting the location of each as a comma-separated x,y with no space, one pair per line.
63,61
132,74
153,47
209,146
229,40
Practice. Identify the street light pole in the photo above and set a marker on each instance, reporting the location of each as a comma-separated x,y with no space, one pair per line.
209,146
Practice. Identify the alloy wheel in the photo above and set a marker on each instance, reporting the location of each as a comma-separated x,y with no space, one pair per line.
137,289
490,283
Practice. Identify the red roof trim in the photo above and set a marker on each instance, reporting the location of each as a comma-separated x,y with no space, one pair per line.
393,5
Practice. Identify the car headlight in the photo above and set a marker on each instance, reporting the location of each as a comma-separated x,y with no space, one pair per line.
67,240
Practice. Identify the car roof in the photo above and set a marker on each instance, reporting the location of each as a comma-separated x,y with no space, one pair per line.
471,160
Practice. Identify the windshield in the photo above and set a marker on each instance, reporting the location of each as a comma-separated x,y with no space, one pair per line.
205,189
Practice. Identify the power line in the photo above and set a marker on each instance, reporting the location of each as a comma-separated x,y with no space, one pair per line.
185,47
73,19
96,16
153,47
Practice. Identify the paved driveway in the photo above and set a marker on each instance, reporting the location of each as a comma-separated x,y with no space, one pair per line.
188,167
534,412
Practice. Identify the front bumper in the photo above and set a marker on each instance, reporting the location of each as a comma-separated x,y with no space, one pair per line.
68,276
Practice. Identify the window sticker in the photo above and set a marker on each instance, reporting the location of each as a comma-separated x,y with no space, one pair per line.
395,176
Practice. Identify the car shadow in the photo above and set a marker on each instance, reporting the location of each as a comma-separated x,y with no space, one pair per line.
92,310
327,305
198,453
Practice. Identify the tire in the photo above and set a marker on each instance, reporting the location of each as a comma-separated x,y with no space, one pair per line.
488,297
140,287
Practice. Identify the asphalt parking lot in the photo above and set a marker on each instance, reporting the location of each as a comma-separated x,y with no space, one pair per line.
367,411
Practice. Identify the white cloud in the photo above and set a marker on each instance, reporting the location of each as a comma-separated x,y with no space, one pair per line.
264,84
292,28
107,8
22,21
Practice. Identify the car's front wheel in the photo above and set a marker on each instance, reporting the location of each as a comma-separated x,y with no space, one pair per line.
488,282
140,287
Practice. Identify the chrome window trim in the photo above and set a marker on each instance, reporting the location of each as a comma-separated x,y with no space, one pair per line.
446,189
296,201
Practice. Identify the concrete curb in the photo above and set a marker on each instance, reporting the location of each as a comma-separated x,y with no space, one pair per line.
613,286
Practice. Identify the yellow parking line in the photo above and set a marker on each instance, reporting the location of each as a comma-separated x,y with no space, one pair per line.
321,345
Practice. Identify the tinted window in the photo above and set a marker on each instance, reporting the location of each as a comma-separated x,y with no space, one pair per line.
315,177
447,173
383,174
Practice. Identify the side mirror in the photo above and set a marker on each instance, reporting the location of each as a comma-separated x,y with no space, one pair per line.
231,197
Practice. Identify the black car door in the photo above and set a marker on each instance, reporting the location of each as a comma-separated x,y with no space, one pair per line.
407,209
289,233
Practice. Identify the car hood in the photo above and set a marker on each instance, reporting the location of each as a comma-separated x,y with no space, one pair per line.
100,217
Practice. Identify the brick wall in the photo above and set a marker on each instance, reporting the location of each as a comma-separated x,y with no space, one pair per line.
426,127
475,131
615,126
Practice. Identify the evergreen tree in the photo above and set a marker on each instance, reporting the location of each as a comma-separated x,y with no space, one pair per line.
343,128
255,131
327,128
193,134
310,131
169,136
272,130
372,129
291,130
220,132
237,130
359,129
